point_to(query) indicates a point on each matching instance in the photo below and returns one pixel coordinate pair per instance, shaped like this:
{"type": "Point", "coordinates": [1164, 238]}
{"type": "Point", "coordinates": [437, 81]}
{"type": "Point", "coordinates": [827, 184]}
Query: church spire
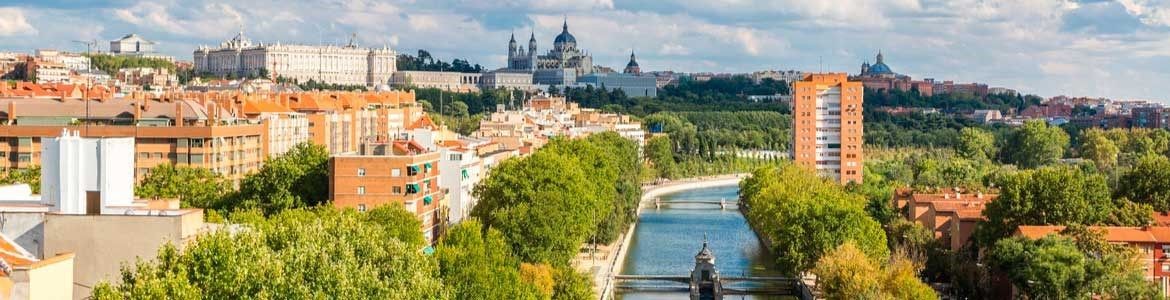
{"type": "Point", "coordinates": [565, 26]}
{"type": "Point", "coordinates": [879, 56]}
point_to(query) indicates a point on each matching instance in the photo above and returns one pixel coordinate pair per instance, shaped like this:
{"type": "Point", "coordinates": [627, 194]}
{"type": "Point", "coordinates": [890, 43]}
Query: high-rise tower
{"type": "Point", "coordinates": [827, 132]}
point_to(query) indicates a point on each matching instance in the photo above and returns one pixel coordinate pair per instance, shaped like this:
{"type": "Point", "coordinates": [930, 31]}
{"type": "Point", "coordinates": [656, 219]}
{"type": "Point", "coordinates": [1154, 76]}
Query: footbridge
{"type": "Point", "coordinates": [705, 282]}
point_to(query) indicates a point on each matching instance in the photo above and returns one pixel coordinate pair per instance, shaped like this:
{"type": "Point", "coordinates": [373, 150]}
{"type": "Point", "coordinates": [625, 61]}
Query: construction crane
{"type": "Point", "coordinates": [89, 45]}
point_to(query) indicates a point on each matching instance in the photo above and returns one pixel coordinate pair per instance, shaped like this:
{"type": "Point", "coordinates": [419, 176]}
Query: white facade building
{"type": "Point", "coordinates": [349, 64]}
{"type": "Point", "coordinates": [447, 81]}
{"type": "Point", "coordinates": [73, 167]}
{"type": "Point", "coordinates": [71, 61]}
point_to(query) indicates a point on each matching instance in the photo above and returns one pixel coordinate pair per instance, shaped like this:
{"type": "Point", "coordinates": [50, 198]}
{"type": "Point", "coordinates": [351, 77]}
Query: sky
{"type": "Point", "coordinates": [1118, 49]}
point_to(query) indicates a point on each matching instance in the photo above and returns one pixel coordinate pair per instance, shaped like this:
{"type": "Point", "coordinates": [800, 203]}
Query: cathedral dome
{"type": "Point", "coordinates": [880, 68]}
{"type": "Point", "coordinates": [565, 40]}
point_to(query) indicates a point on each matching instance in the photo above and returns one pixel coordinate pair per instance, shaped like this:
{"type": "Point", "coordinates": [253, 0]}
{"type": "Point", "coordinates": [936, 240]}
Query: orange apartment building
{"type": "Point", "coordinates": [395, 173]}
{"type": "Point", "coordinates": [951, 216]}
{"type": "Point", "coordinates": [229, 132]}
{"type": "Point", "coordinates": [183, 132]}
{"type": "Point", "coordinates": [827, 133]}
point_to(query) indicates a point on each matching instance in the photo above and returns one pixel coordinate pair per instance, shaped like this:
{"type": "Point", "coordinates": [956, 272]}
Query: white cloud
{"type": "Point", "coordinates": [1150, 12]}
{"type": "Point", "coordinates": [14, 22]}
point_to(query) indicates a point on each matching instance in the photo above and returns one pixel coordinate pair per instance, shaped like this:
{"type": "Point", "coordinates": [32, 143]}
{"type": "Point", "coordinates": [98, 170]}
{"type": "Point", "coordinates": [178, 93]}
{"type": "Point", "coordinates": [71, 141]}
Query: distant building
{"type": "Point", "coordinates": [400, 172]}
{"type": "Point", "coordinates": [554, 76]}
{"type": "Point", "coordinates": [563, 55]}
{"type": "Point", "coordinates": [71, 61]}
{"type": "Point", "coordinates": [346, 64]}
{"type": "Point", "coordinates": [879, 77]}
{"type": "Point", "coordinates": [154, 77]}
{"type": "Point", "coordinates": [631, 84]}
{"type": "Point", "coordinates": [827, 132]}
{"type": "Point", "coordinates": [632, 66]}
{"type": "Point", "coordinates": [507, 80]}
{"type": "Point", "coordinates": [447, 81]}
{"type": "Point", "coordinates": [986, 116]}
{"type": "Point", "coordinates": [136, 46]}
{"type": "Point", "coordinates": [131, 44]}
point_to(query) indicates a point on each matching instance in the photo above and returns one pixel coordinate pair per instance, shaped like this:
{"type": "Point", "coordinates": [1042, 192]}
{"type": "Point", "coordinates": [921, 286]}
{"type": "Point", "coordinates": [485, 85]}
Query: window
{"type": "Point", "coordinates": [395, 172]}
{"type": "Point", "coordinates": [24, 157]}
{"type": "Point", "coordinates": [361, 190]}
{"type": "Point", "coordinates": [397, 190]}
{"type": "Point", "coordinates": [196, 158]}
{"type": "Point", "coordinates": [361, 207]}
{"type": "Point", "coordinates": [361, 172]}
{"type": "Point", "coordinates": [144, 155]}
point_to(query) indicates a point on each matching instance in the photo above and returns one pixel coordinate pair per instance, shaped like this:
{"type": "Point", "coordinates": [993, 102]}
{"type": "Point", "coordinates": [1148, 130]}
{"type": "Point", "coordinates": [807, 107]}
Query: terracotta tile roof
{"type": "Point", "coordinates": [1115, 234]}
{"type": "Point", "coordinates": [424, 122]}
{"type": "Point", "coordinates": [258, 107]}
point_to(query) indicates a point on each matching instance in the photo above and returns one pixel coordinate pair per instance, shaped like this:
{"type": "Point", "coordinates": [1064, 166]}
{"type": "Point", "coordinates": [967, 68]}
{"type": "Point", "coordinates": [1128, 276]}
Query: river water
{"type": "Point", "coordinates": [667, 239]}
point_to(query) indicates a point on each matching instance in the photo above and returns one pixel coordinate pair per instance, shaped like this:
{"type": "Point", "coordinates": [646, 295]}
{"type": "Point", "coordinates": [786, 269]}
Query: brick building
{"type": "Point", "coordinates": [827, 125]}
{"type": "Point", "coordinates": [395, 173]}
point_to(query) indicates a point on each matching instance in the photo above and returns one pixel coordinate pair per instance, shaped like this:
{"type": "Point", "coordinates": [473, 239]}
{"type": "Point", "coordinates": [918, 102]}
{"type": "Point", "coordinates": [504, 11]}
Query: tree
{"type": "Point", "coordinates": [299, 178]}
{"type": "Point", "coordinates": [542, 204]}
{"type": "Point", "coordinates": [1081, 267]}
{"type": "Point", "coordinates": [1058, 195]}
{"type": "Point", "coordinates": [351, 258]}
{"type": "Point", "coordinates": [1147, 182]}
{"type": "Point", "coordinates": [1036, 144]}
{"type": "Point", "coordinates": [194, 187]}
{"type": "Point", "coordinates": [658, 152]}
{"type": "Point", "coordinates": [1097, 147]}
{"type": "Point", "coordinates": [456, 109]}
{"type": "Point", "coordinates": [848, 273]}
{"type": "Point", "coordinates": [976, 144]}
{"type": "Point", "coordinates": [476, 264]}
{"type": "Point", "coordinates": [805, 216]}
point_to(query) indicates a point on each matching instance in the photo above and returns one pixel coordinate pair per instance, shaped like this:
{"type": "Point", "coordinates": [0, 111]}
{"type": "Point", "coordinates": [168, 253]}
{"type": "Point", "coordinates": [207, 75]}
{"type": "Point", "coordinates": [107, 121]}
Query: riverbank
{"type": "Point", "coordinates": [608, 259]}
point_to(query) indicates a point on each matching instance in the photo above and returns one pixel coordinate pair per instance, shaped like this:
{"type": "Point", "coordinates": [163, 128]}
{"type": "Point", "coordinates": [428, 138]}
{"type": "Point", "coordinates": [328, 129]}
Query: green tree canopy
{"type": "Point", "coordinates": [805, 216]}
{"type": "Point", "coordinates": [1148, 182]}
{"type": "Point", "coordinates": [1036, 144]}
{"type": "Point", "coordinates": [1082, 267]}
{"type": "Point", "coordinates": [976, 144]}
{"type": "Point", "coordinates": [1097, 147]}
{"type": "Point", "coordinates": [194, 187]}
{"type": "Point", "coordinates": [295, 254]}
{"type": "Point", "coordinates": [299, 178]}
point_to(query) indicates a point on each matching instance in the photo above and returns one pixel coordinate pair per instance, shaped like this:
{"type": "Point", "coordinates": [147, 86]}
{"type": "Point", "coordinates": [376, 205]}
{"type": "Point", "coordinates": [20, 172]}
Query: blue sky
{"type": "Point", "coordinates": [1118, 49]}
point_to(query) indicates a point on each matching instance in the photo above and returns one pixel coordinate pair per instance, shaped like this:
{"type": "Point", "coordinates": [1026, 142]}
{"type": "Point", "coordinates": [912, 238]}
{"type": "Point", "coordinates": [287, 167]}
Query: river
{"type": "Point", "coordinates": [667, 239]}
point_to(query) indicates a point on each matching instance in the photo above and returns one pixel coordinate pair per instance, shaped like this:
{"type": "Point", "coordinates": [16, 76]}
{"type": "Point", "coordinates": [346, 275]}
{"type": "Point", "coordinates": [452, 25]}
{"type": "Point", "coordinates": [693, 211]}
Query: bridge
{"type": "Point", "coordinates": [722, 203]}
{"type": "Point", "coordinates": [704, 282]}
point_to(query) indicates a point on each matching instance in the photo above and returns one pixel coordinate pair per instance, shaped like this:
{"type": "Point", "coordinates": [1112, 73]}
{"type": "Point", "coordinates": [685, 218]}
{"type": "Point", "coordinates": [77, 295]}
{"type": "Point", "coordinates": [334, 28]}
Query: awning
{"type": "Point", "coordinates": [413, 169]}
{"type": "Point", "coordinates": [429, 250]}
{"type": "Point", "coordinates": [412, 187]}
{"type": "Point", "coordinates": [427, 200]}
{"type": "Point", "coordinates": [465, 174]}
{"type": "Point", "coordinates": [428, 165]}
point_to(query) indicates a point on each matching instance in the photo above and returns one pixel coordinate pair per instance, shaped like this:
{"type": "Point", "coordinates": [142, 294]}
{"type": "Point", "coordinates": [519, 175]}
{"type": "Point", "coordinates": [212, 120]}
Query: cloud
{"type": "Point", "coordinates": [14, 22]}
{"type": "Point", "coordinates": [1151, 12]}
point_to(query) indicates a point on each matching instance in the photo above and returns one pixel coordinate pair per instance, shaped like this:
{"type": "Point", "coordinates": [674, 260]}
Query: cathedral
{"type": "Point", "coordinates": [564, 55]}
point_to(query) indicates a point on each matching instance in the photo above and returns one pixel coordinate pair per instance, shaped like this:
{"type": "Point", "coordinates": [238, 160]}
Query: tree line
{"type": "Point", "coordinates": [425, 62]}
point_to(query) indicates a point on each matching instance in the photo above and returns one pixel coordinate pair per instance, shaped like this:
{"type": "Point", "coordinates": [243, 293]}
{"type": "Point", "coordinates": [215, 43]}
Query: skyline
{"type": "Point", "coordinates": [1116, 49]}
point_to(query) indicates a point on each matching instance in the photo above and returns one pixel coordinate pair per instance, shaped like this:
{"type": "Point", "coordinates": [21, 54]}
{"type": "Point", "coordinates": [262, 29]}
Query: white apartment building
{"type": "Point", "coordinates": [348, 64]}
{"type": "Point", "coordinates": [71, 61]}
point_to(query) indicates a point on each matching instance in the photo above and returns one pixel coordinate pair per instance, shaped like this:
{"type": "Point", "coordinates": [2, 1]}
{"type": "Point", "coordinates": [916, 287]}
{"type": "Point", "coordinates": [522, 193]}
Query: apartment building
{"type": "Point", "coordinates": [399, 172]}
{"type": "Point", "coordinates": [827, 133]}
{"type": "Point", "coordinates": [184, 132]}
{"type": "Point", "coordinates": [951, 215]}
